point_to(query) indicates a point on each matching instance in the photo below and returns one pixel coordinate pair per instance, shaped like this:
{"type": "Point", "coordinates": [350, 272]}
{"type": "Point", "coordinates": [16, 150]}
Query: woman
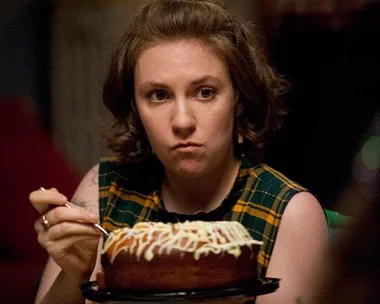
{"type": "Point", "coordinates": [195, 102]}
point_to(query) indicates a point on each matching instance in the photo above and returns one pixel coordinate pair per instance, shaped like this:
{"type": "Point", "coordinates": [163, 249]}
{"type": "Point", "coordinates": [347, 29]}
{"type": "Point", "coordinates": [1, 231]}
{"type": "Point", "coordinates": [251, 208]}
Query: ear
{"type": "Point", "coordinates": [238, 105]}
{"type": "Point", "coordinates": [238, 108]}
{"type": "Point", "coordinates": [237, 95]}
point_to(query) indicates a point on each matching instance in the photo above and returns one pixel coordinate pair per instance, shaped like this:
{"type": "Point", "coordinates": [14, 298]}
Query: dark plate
{"type": "Point", "coordinates": [250, 289]}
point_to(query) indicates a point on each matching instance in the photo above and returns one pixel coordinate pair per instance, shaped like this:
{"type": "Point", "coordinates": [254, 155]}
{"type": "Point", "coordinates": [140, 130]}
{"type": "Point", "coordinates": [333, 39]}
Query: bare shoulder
{"type": "Point", "coordinates": [87, 193]}
{"type": "Point", "coordinates": [299, 250]}
{"type": "Point", "coordinates": [303, 217]}
{"type": "Point", "coordinates": [304, 208]}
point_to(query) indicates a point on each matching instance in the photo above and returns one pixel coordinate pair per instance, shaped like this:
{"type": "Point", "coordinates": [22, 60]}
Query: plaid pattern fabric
{"type": "Point", "coordinates": [129, 194]}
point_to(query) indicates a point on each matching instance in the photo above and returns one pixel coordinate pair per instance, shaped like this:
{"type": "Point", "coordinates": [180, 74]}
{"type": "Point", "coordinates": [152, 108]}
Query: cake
{"type": "Point", "coordinates": [153, 256]}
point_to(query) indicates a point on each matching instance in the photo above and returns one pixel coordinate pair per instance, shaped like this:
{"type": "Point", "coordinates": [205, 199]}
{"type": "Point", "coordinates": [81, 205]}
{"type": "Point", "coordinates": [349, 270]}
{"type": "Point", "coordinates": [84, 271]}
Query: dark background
{"type": "Point", "coordinates": [334, 94]}
{"type": "Point", "coordinates": [24, 52]}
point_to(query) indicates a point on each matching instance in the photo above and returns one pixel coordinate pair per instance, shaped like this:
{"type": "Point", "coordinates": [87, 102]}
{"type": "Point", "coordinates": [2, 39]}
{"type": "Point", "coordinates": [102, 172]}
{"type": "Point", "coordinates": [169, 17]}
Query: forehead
{"type": "Point", "coordinates": [181, 57]}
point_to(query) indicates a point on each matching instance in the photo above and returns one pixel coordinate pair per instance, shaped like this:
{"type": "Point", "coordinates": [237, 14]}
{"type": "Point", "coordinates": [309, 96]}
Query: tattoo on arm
{"type": "Point", "coordinates": [82, 198]}
{"type": "Point", "coordinates": [79, 203]}
{"type": "Point", "coordinates": [83, 204]}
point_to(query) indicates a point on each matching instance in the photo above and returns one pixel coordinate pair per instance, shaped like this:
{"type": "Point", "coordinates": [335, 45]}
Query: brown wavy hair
{"type": "Point", "coordinates": [257, 84]}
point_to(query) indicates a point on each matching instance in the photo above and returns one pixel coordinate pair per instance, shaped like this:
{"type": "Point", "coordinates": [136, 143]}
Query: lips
{"type": "Point", "coordinates": [186, 145]}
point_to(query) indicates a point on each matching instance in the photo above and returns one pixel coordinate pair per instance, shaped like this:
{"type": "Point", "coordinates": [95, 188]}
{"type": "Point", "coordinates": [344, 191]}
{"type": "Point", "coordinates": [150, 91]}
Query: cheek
{"type": "Point", "coordinates": [222, 123]}
{"type": "Point", "coordinates": [146, 118]}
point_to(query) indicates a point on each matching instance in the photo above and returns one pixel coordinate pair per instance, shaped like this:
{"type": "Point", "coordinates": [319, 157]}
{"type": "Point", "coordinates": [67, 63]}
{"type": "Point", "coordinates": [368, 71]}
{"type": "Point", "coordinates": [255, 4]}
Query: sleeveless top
{"type": "Point", "coordinates": [130, 193]}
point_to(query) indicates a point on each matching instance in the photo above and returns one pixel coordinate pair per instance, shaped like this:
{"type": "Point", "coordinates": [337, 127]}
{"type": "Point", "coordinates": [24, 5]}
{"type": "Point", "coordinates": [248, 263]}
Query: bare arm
{"type": "Point", "coordinates": [299, 251]}
{"type": "Point", "coordinates": [56, 286]}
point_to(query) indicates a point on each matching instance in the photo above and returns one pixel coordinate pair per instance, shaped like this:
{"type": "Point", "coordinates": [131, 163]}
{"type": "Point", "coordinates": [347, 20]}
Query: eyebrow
{"type": "Point", "coordinates": [193, 83]}
{"type": "Point", "coordinates": [204, 79]}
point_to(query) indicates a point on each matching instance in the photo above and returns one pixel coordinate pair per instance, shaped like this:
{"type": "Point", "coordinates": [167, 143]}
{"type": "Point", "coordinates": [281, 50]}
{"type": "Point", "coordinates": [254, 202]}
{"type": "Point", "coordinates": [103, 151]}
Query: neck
{"type": "Point", "coordinates": [190, 195]}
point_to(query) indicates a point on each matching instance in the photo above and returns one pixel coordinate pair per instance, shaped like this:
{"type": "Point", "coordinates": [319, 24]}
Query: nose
{"type": "Point", "coordinates": [183, 121]}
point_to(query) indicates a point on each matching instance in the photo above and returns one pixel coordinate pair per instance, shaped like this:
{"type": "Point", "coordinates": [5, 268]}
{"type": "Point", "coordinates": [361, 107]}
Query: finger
{"type": "Point", "coordinates": [64, 230]}
{"type": "Point", "coordinates": [64, 214]}
{"type": "Point", "coordinates": [59, 247]}
{"type": "Point", "coordinates": [38, 227]}
{"type": "Point", "coordinates": [43, 199]}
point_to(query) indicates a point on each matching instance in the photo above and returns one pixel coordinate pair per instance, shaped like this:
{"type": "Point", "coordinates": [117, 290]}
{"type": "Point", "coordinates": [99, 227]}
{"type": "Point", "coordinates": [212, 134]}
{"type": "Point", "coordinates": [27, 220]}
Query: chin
{"type": "Point", "coordinates": [190, 168]}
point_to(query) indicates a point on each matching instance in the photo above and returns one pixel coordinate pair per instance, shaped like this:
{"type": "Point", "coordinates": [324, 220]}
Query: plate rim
{"type": "Point", "coordinates": [253, 288]}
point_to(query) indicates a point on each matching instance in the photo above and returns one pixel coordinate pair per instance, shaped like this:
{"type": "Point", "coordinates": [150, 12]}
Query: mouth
{"type": "Point", "coordinates": [186, 145]}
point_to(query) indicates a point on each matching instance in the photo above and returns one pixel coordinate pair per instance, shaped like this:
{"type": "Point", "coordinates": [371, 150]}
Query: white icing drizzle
{"type": "Point", "coordinates": [199, 238]}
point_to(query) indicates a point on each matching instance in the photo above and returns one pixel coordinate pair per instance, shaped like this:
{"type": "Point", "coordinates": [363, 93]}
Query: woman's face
{"type": "Point", "coordinates": [185, 99]}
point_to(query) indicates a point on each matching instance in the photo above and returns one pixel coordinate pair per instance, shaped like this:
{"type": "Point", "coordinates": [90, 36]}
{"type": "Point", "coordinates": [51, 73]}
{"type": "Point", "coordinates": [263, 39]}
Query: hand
{"type": "Point", "coordinates": [70, 238]}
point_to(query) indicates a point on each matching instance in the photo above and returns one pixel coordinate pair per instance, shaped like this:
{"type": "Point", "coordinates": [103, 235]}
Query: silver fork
{"type": "Point", "coordinates": [96, 225]}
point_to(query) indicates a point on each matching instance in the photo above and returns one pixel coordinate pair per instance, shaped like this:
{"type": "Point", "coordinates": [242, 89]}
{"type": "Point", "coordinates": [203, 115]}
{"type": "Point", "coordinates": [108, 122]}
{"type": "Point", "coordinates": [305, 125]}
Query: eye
{"type": "Point", "coordinates": [206, 93]}
{"type": "Point", "coordinates": [158, 96]}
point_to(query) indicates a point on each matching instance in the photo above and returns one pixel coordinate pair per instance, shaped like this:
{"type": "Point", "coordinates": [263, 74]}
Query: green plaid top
{"type": "Point", "coordinates": [130, 193]}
